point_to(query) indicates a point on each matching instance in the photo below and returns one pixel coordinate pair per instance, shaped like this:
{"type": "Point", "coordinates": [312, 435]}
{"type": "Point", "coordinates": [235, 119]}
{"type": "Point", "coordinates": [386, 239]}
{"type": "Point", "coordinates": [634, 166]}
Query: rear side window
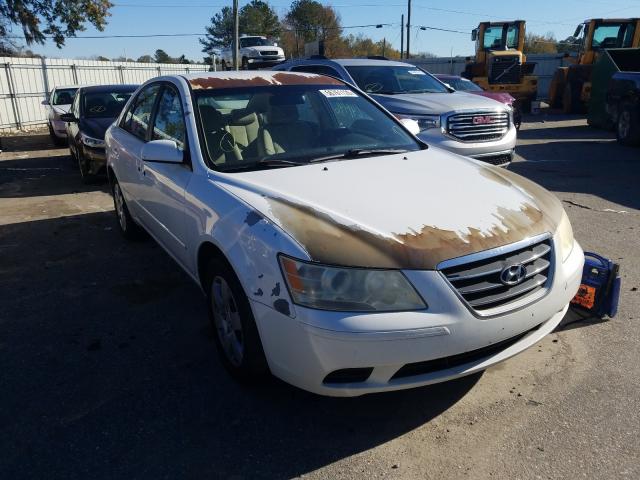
{"type": "Point", "coordinates": [169, 122]}
{"type": "Point", "coordinates": [319, 69]}
{"type": "Point", "coordinates": [136, 120]}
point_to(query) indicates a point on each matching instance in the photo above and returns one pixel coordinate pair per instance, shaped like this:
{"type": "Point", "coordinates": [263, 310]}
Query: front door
{"type": "Point", "coordinates": [163, 185]}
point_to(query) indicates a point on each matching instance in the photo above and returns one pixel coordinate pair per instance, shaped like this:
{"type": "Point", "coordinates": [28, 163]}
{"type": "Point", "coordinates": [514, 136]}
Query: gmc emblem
{"type": "Point", "coordinates": [482, 120]}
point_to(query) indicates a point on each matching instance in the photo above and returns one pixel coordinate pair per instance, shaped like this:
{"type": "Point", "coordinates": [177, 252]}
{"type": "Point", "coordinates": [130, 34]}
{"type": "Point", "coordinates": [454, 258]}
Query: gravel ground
{"type": "Point", "coordinates": [108, 367]}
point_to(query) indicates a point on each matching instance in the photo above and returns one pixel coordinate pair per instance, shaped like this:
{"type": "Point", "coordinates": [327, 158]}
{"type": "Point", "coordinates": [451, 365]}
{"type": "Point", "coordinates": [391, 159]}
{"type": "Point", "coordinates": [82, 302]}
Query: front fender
{"type": "Point", "coordinates": [250, 242]}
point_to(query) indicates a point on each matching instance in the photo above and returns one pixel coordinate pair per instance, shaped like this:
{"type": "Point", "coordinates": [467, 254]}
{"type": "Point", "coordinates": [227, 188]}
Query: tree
{"type": "Point", "coordinates": [58, 19]}
{"type": "Point", "coordinates": [183, 59]}
{"type": "Point", "coordinates": [162, 57]}
{"type": "Point", "coordinates": [146, 59]}
{"type": "Point", "coordinates": [255, 18]}
{"type": "Point", "coordinates": [534, 43]}
{"type": "Point", "coordinates": [309, 20]}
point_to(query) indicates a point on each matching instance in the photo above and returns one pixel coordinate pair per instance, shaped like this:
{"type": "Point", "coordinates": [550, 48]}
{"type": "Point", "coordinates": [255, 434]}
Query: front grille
{"type": "Point", "coordinates": [505, 70]}
{"type": "Point", "coordinates": [430, 366]}
{"type": "Point", "coordinates": [500, 160]}
{"type": "Point", "coordinates": [268, 52]}
{"type": "Point", "coordinates": [480, 282]}
{"type": "Point", "coordinates": [478, 126]}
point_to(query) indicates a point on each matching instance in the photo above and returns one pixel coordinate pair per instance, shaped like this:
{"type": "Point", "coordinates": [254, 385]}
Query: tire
{"type": "Point", "coordinates": [126, 224]}
{"type": "Point", "coordinates": [57, 141]}
{"type": "Point", "coordinates": [245, 64]}
{"type": "Point", "coordinates": [235, 331]}
{"type": "Point", "coordinates": [83, 166]}
{"type": "Point", "coordinates": [628, 125]}
{"type": "Point", "coordinates": [72, 156]}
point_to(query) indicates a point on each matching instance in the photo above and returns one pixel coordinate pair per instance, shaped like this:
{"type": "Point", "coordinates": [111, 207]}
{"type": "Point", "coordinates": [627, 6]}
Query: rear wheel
{"type": "Point", "coordinates": [128, 227]}
{"type": "Point", "coordinates": [245, 63]}
{"type": "Point", "coordinates": [236, 334]}
{"type": "Point", "coordinates": [628, 127]}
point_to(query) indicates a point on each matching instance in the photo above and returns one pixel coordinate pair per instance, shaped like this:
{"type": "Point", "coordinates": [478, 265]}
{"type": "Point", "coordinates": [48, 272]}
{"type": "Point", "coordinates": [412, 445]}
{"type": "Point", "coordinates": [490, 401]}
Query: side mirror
{"type": "Point", "coordinates": [410, 125]}
{"type": "Point", "coordinates": [68, 117]}
{"type": "Point", "coordinates": [474, 34]}
{"type": "Point", "coordinates": [45, 102]}
{"type": "Point", "coordinates": [162, 151]}
{"type": "Point", "coordinates": [578, 31]}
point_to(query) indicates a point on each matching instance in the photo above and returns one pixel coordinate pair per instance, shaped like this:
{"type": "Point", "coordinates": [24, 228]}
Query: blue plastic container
{"type": "Point", "coordinates": [599, 291]}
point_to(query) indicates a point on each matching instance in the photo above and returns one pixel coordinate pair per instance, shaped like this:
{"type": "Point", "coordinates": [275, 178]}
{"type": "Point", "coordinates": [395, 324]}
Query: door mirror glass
{"type": "Point", "coordinates": [162, 151]}
{"type": "Point", "coordinates": [411, 125]}
{"type": "Point", "coordinates": [45, 102]}
{"type": "Point", "coordinates": [68, 117]}
{"type": "Point", "coordinates": [474, 35]}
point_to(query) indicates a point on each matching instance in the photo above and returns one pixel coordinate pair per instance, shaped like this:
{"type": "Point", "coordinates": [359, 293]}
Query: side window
{"type": "Point", "coordinates": [74, 107]}
{"type": "Point", "coordinates": [169, 123]}
{"type": "Point", "coordinates": [136, 120]}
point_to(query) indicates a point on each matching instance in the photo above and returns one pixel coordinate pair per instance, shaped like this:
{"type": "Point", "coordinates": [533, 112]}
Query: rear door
{"type": "Point", "coordinates": [128, 140]}
{"type": "Point", "coordinates": [162, 185]}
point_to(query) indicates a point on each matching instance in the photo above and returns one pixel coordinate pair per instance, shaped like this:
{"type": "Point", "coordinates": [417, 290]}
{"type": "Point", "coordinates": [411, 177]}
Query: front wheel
{"type": "Point", "coordinates": [236, 334]}
{"type": "Point", "coordinates": [57, 141]}
{"type": "Point", "coordinates": [84, 166]}
{"type": "Point", "coordinates": [628, 127]}
{"type": "Point", "coordinates": [245, 63]}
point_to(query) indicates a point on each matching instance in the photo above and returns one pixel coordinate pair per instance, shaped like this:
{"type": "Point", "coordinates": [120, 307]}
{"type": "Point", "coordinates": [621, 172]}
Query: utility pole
{"type": "Point", "coordinates": [236, 35]}
{"type": "Point", "coordinates": [384, 46]}
{"type": "Point", "coordinates": [408, 29]}
{"type": "Point", "coordinates": [402, 36]}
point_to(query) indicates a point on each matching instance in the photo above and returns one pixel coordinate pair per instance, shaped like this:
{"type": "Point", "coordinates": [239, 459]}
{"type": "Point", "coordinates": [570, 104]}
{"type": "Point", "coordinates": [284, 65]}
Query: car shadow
{"type": "Point", "coordinates": [28, 143]}
{"type": "Point", "coordinates": [607, 170]}
{"type": "Point", "coordinates": [37, 176]}
{"type": "Point", "coordinates": [109, 370]}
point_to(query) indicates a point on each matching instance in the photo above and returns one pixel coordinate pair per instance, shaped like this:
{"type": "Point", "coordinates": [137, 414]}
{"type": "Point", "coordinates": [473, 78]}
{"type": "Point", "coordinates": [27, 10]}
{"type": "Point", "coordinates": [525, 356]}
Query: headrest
{"type": "Point", "coordinates": [243, 117]}
{"type": "Point", "coordinates": [259, 103]}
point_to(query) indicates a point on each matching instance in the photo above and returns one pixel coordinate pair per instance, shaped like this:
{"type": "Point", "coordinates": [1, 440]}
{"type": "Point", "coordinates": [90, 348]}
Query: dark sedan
{"type": "Point", "coordinates": [93, 110]}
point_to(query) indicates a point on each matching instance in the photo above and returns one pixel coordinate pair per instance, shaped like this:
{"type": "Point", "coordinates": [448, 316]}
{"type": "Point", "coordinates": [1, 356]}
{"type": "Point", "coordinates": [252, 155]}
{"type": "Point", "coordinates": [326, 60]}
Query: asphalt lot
{"type": "Point", "coordinates": [108, 369]}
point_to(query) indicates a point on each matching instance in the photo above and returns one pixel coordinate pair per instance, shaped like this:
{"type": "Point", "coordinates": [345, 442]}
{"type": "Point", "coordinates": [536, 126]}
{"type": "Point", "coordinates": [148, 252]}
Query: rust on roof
{"type": "Point", "coordinates": [260, 80]}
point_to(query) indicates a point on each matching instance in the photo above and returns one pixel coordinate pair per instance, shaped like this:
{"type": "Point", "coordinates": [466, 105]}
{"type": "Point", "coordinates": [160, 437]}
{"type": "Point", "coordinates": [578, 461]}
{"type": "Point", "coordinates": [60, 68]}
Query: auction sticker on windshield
{"type": "Point", "coordinates": [337, 93]}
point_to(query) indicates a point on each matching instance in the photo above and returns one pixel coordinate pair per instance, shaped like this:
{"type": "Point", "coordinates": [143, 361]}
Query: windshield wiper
{"type": "Point", "coordinates": [358, 152]}
{"type": "Point", "coordinates": [278, 162]}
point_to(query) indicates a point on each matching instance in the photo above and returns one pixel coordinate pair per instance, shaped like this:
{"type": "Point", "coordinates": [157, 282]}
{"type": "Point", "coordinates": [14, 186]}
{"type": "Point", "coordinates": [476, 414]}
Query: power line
{"type": "Point", "coordinates": [154, 35]}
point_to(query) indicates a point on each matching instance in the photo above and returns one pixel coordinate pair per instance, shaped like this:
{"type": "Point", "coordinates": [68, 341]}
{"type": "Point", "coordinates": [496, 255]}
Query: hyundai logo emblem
{"type": "Point", "coordinates": [513, 274]}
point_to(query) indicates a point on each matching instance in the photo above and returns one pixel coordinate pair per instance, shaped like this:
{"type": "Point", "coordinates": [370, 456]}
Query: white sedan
{"type": "Point", "coordinates": [58, 103]}
{"type": "Point", "coordinates": [336, 250]}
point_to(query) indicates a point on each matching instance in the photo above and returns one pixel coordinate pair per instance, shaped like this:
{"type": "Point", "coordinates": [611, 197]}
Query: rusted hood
{"type": "Point", "coordinates": [392, 212]}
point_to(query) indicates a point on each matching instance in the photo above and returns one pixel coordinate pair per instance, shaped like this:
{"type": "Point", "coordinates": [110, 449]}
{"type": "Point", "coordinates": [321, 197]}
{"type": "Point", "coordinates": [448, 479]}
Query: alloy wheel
{"type": "Point", "coordinates": [624, 124]}
{"type": "Point", "coordinates": [118, 199]}
{"type": "Point", "coordinates": [226, 317]}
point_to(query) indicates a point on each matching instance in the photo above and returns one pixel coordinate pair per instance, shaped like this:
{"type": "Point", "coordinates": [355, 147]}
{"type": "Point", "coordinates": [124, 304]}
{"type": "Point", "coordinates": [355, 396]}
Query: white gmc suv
{"type": "Point", "coordinates": [326, 236]}
{"type": "Point", "coordinates": [254, 52]}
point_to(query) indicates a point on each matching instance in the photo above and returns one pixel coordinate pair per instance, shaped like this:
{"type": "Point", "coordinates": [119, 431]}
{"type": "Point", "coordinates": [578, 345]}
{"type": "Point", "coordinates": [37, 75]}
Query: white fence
{"type": "Point", "coordinates": [546, 65]}
{"type": "Point", "coordinates": [25, 82]}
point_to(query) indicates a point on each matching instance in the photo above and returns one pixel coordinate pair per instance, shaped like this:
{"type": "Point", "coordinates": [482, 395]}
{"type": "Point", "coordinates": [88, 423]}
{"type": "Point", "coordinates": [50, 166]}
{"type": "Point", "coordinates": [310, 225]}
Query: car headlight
{"type": "Point", "coordinates": [425, 122]}
{"type": "Point", "coordinates": [92, 142]}
{"type": "Point", "coordinates": [565, 237]}
{"type": "Point", "coordinates": [349, 289]}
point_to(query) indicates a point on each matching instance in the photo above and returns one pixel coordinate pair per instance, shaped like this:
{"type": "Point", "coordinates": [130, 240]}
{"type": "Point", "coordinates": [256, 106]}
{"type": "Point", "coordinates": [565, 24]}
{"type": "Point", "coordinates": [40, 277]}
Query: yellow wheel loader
{"type": "Point", "coordinates": [500, 64]}
{"type": "Point", "coordinates": [571, 85]}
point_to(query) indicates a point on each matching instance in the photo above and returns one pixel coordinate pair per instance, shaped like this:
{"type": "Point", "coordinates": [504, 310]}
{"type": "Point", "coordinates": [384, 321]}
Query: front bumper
{"type": "Point", "coordinates": [438, 138]}
{"type": "Point", "coordinates": [59, 128]}
{"type": "Point", "coordinates": [263, 62]}
{"type": "Point", "coordinates": [304, 350]}
{"type": "Point", "coordinates": [96, 160]}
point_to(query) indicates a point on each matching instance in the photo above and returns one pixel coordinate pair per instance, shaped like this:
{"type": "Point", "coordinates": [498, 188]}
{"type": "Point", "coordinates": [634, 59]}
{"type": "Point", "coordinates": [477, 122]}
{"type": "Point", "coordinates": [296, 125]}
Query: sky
{"type": "Point", "coordinates": [139, 17]}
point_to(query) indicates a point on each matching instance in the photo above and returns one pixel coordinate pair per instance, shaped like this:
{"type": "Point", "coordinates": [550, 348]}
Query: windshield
{"type": "Point", "coordinates": [255, 42]}
{"type": "Point", "coordinates": [395, 79]}
{"type": "Point", "coordinates": [104, 104]}
{"type": "Point", "coordinates": [463, 84]}
{"type": "Point", "coordinates": [63, 96]}
{"type": "Point", "coordinates": [619, 35]}
{"type": "Point", "coordinates": [260, 127]}
{"type": "Point", "coordinates": [493, 37]}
